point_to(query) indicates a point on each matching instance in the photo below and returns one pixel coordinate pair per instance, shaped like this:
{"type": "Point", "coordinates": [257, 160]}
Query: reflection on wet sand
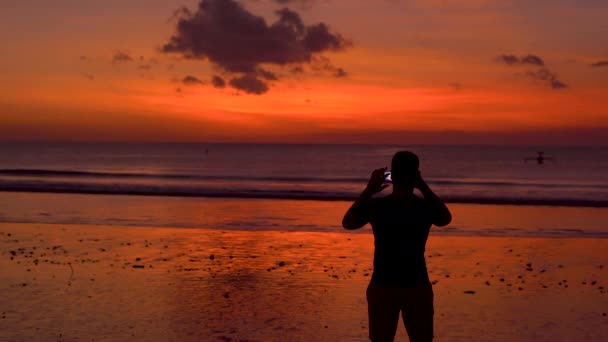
{"type": "Point", "coordinates": [71, 282]}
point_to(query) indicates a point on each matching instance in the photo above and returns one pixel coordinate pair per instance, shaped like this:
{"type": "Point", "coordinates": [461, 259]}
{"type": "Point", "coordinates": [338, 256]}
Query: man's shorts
{"type": "Point", "coordinates": [415, 305]}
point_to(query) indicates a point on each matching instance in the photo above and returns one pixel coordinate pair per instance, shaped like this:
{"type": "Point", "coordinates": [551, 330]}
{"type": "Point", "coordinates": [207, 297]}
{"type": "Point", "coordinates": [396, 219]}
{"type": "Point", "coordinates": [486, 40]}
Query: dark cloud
{"type": "Point", "coordinates": [532, 60]}
{"type": "Point", "coordinates": [508, 59]}
{"type": "Point", "coordinates": [191, 80]}
{"type": "Point", "coordinates": [298, 69]}
{"type": "Point", "coordinates": [121, 57]}
{"type": "Point", "coordinates": [84, 58]}
{"type": "Point", "coordinates": [455, 85]}
{"type": "Point", "coordinates": [542, 74]}
{"type": "Point", "coordinates": [324, 65]}
{"type": "Point", "coordinates": [557, 84]}
{"type": "Point", "coordinates": [318, 38]}
{"type": "Point", "coordinates": [239, 42]}
{"type": "Point", "coordinates": [600, 64]}
{"type": "Point", "coordinates": [267, 75]}
{"type": "Point", "coordinates": [307, 4]}
{"type": "Point", "coordinates": [147, 65]}
{"type": "Point", "coordinates": [250, 84]}
{"type": "Point", "coordinates": [340, 73]}
{"type": "Point", "coordinates": [548, 76]}
{"type": "Point", "coordinates": [178, 13]}
{"type": "Point", "coordinates": [514, 60]}
{"type": "Point", "coordinates": [218, 82]}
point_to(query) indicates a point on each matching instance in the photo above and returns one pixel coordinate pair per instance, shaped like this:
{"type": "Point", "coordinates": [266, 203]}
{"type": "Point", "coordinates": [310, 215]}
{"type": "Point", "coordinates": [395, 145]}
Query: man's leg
{"type": "Point", "coordinates": [417, 313]}
{"type": "Point", "coordinates": [383, 313]}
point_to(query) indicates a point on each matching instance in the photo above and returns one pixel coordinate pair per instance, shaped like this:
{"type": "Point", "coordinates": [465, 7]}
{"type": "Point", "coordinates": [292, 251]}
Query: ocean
{"type": "Point", "coordinates": [132, 183]}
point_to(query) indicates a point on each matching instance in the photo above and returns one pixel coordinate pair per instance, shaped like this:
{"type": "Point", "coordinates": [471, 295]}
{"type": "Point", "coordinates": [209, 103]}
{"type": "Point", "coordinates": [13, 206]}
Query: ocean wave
{"type": "Point", "coordinates": [96, 174]}
{"type": "Point", "coordinates": [75, 174]}
{"type": "Point", "coordinates": [223, 192]}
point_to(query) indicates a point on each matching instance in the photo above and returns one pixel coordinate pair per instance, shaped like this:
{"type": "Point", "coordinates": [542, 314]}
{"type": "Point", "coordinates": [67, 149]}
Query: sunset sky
{"type": "Point", "coordinates": [305, 71]}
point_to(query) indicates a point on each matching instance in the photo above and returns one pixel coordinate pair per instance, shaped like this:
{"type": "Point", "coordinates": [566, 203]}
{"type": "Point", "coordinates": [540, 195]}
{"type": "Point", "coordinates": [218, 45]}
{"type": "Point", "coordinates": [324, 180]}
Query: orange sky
{"type": "Point", "coordinates": [417, 72]}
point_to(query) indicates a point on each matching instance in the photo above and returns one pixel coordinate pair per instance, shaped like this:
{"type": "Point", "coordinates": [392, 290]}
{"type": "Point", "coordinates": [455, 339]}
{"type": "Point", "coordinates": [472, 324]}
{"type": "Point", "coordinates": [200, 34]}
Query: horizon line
{"type": "Point", "coordinates": [177, 142]}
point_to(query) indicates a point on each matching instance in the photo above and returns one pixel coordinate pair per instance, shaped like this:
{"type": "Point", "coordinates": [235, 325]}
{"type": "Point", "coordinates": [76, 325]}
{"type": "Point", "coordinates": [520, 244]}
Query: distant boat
{"type": "Point", "coordinates": [540, 159]}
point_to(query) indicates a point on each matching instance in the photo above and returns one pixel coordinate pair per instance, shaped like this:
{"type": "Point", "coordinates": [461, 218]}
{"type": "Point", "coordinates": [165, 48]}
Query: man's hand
{"type": "Point", "coordinates": [420, 184]}
{"type": "Point", "coordinates": [376, 182]}
{"type": "Point", "coordinates": [356, 216]}
{"type": "Point", "coordinates": [441, 213]}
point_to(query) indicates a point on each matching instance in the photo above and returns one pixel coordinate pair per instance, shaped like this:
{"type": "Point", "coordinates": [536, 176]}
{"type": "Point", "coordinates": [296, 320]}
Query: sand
{"type": "Point", "coordinates": [112, 283]}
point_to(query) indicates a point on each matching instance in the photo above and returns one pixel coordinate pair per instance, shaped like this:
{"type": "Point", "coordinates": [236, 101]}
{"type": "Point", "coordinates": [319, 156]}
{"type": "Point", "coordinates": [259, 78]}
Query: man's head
{"type": "Point", "coordinates": [404, 168]}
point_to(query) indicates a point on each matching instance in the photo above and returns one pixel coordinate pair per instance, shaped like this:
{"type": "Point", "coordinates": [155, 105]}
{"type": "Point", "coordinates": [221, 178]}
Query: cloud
{"type": "Point", "coordinates": [297, 69]}
{"type": "Point", "coordinates": [240, 43]}
{"type": "Point", "coordinates": [455, 86]}
{"type": "Point", "coordinates": [508, 59]}
{"type": "Point", "coordinates": [542, 74]}
{"type": "Point", "coordinates": [306, 4]}
{"type": "Point", "coordinates": [533, 60]}
{"type": "Point", "coordinates": [121, 57]}
{"type": "Point", "coordinates": [191, 80]}
{"type": "Point", "coordinates": [299, 4]}
{"type": "Point", "coordinates": [218, 82]}
{"type": "Point", "coordinates": [147, 65]}
{"type": "Point", "coordinates": [323, 64]}
{"type": "Point", "coordinates": [548, 76]}
{"type": "Point", "coordinates": [514, 60]}
{"type": "Point", "coordinates": [84, 58]}
{"type": "Point", "coordinates": [600, 64]}
{"type": "Point", "coordinates": [267, 75]}
{"type": "Point", "coordinates": [340, 73]}
{"type": "Point", "coordinates": [557, 84]}
{"type": "Point", "coordinates": [250, 84]}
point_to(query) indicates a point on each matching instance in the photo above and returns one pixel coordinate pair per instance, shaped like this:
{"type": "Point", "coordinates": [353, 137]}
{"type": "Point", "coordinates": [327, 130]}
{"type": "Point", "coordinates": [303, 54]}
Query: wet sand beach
{"type": "Point", "coordinates": [112, 283]}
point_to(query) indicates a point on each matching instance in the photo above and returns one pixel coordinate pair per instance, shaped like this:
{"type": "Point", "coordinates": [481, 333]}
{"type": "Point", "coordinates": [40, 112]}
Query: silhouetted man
{"type": "Point", "coordinates": [401, 222]}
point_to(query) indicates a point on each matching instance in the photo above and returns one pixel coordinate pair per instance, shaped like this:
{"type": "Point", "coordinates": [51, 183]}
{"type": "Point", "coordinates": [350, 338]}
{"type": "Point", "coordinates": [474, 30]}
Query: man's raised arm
{"type": "Point", "coordinates": [357, 215]}
{"type": "Point", "coordinates": [441, 213]}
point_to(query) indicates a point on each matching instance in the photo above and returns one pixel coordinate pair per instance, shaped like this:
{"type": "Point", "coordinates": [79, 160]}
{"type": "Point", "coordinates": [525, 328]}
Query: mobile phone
{"type": "Point", "coordinates": [387, 177]}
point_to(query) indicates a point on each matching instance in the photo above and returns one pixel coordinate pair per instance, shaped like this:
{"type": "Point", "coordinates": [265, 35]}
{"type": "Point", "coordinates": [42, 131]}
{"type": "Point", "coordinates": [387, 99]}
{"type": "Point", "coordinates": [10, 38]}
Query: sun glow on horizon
{"type": "Point", "coordinates": [422, 78]}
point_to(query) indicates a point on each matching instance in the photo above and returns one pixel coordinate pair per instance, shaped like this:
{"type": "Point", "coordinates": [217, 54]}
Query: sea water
{"type": "Point", "coordinates": [494, 190]}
